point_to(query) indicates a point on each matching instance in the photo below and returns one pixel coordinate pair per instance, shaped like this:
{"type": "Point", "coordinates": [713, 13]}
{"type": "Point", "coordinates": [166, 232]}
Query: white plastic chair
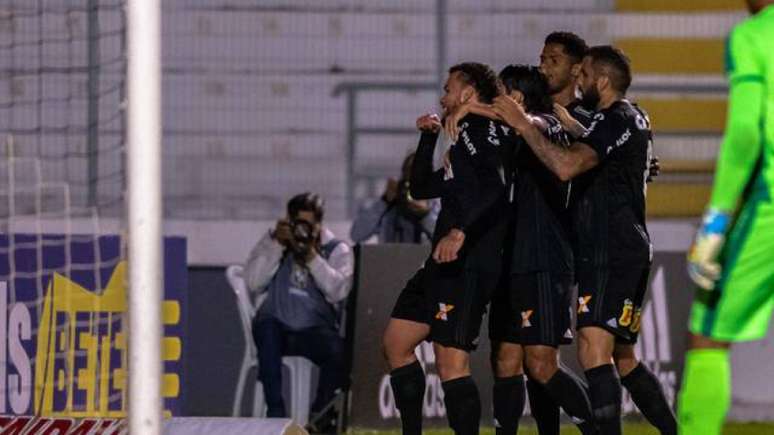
{"type": "Point", "coordinates": [300, 368]}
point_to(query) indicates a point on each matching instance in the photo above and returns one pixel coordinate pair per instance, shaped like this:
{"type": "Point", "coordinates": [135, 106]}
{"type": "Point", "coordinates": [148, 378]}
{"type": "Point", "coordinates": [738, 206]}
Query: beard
{"type": "Point", "coordinates": [590, 99]}
{"type": "Point", "coordinates": [555, 86]}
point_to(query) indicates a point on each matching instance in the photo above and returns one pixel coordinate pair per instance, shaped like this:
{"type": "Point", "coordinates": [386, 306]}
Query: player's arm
{"type": "Point", "coordinates": [739, 154]}
{"type": "Point", "coordinates": [477, 188]}
{"type": "Point", "coordinates": [424, 182]}
{"type": "Point", "coordinates": [451, 123]}
{"type": "Point", "coordinates": [565, 163]}
{"type": "Point", "coordinates": [742, 141]}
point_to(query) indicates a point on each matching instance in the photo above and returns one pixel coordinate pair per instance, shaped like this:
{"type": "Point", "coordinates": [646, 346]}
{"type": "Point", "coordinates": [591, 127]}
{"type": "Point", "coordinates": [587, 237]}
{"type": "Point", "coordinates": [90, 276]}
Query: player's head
{"type": "Point", "coordinates": [755, 6]}
{"type": "Point", "coordinates": [561, 59]}
{"type": "Point", "coordinates": [606, 71]}
{"type": "Point", "coordinates": [308, 207]}
{"type": "Point", "coordinates": [469, 81]}
{"type": "Point", "coordinates": [528, 86]}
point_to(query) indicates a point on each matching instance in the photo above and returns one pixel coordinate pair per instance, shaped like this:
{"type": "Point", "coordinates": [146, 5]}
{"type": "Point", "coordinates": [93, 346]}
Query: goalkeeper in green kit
{"type": "Point", "coordinates": [732, 258]}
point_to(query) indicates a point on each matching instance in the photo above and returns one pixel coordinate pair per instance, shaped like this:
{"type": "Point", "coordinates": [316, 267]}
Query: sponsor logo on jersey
{"type": "Point", "coordinates": [466, 140]}
{"type": "Point", "coordinates": [624, 137]}
{"type": "Point", "coordinates": [493, 134]}
{"type": "Point", "coordinates": [443, 311]}
{"type": "Point", "coordinates": [583, 304]}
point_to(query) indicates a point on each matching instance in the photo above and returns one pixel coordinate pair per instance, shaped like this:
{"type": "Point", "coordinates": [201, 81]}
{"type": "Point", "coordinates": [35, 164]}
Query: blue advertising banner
{"type": "Point", "coordinates": [63, 332]}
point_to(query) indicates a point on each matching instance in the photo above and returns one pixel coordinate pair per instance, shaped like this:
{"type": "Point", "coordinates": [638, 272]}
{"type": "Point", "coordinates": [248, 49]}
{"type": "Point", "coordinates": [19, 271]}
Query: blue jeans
{"type": "Point", "coordinates": [323, 346]}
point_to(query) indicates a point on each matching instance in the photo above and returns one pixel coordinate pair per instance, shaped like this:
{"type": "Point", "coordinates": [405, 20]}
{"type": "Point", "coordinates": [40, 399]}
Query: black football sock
{"type": "Point", "coordinates": [408, 387]}
{"type": "Point", "coordinates": [569, 392]}
{"type": "Point", "coordinates": [544, 409]}
{"type": "Point", "coordinates": [463, 405]}
{"type": "Point", "coordinates": [605, 389]}
{"type": "Point", "coordinates": [649, 397]}
{"type": "Point", "coordinates": [508, 404]}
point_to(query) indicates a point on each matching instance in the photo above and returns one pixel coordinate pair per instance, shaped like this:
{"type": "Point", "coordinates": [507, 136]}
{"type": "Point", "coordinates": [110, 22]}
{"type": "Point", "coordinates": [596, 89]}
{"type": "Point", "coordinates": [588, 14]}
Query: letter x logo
{"type": "Point", "coordinates": [443, 311]}
{"type": "Point", "coordinates": [583, 304]}
{"type": "Point", "coordinates": [525, 315]}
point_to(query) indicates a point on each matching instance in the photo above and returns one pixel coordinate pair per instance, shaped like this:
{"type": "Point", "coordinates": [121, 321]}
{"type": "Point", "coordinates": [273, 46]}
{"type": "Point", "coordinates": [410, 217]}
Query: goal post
{"type": "Point", "coordinates": [144, 216]}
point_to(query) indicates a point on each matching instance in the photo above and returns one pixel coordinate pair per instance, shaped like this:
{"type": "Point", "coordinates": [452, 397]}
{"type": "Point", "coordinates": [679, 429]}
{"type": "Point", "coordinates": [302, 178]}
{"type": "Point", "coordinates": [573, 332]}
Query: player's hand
{"type": "Point", "coordinates": [654, 168]}
{"type": "Point", "coordinates": [703, 266]}
{"type": "Point", "coordinates": [451, 121]}
{"type": "Point", "coordinates": [390, 191]}
{"type": "Point", "coordinates": [429, 123]}
{"type": "Point", "coordinates": [511, 113]}
{"type": "Point", "coordinates": [282, 233]}
{"type": "Point", "coordinates": [447, 160]}
{"type": "Point", "coordinates": [447, 249]}
{"type": "Point", "coordinates": [570, 124]}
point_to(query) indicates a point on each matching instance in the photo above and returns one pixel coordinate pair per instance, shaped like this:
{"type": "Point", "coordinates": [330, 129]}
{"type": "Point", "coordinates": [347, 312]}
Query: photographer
{"type": "Point", "coordinates": [396, 217]}
{"type": "Point", "coordinates": [306, 273]}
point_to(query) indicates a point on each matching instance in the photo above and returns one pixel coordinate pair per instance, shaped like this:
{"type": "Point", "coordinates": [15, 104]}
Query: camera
{"type": "Point", "coordinates": [304, 238]}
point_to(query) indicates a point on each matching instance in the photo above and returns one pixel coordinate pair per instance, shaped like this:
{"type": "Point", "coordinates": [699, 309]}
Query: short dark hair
{"type": "Point", "coordinates": [618, 66]}
{"type": "Point", "coordinates": [481, 77]}
{"type": "Point", "coordinates": [307, 201]}
{"type": "Point", "coordinates": [528, 80]}
{"type": "Point", "coordinates": [573, 45]}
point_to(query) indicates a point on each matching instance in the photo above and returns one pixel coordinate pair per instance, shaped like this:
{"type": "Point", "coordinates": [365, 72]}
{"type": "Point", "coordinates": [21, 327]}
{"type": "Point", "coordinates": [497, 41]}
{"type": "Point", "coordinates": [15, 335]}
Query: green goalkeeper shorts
{"type": "Point", "coordinates": [740, 307]}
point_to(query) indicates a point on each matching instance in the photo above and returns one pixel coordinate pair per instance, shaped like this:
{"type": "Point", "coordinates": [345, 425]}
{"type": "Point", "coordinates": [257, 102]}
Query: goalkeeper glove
{"type": "Point", "coordinates": [703, 266]}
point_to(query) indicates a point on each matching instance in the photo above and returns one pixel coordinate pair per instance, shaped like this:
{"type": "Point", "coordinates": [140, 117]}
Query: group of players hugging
{"type": "Point", "coordinates": [541, 191]}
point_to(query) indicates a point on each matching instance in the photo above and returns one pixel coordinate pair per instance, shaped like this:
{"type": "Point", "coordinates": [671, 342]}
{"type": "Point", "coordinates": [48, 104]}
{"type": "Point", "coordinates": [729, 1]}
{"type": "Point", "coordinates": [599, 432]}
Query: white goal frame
{"type": "Point", "coordinates": [143, 153]}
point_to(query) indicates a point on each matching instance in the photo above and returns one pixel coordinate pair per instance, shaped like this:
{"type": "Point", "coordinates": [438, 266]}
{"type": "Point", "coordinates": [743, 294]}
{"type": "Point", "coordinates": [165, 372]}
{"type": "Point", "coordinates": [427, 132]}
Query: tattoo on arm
{"type": "Point", "coordinates": [565, 163]}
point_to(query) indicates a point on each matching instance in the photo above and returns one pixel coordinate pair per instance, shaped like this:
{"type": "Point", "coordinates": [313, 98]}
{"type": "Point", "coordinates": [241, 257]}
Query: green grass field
{"type": "Point", "coordinates": [629, 429]}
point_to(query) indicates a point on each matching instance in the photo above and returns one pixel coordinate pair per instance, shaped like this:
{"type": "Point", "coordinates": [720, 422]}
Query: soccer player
{"type": "Point", "coordinates": [445, 301]}
{"type": "Point", "coordinates": [561, 61]}
{"type": "Point", "coordinates": [614, 246]}
{"type": "Point", "coordinates": [528, 326]}
{"type": "Point", "coordinates": [731, 258]}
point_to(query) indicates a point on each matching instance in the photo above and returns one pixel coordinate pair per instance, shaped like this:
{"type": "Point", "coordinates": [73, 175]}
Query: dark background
{"type": "Point", "coordinates": [215, 342]}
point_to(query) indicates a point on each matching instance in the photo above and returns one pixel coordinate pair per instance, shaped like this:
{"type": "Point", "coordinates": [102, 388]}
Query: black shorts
{"type": "Point", "coordinates": [612, 299]}
{"type": "Point", "coordinates": [452, 297]}
{"type": "Point", "coordinates": [534, 309]}
{"type": "Point", "coordinates": [412, 302]}
{"type": "Point", "coordinates": [458, 297]}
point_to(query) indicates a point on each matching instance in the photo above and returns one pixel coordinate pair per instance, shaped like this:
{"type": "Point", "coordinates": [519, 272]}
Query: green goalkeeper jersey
{"type": "Point", "coordinates": [740, 308]}
{"type": "Point", "coordinates": [746, 161]}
